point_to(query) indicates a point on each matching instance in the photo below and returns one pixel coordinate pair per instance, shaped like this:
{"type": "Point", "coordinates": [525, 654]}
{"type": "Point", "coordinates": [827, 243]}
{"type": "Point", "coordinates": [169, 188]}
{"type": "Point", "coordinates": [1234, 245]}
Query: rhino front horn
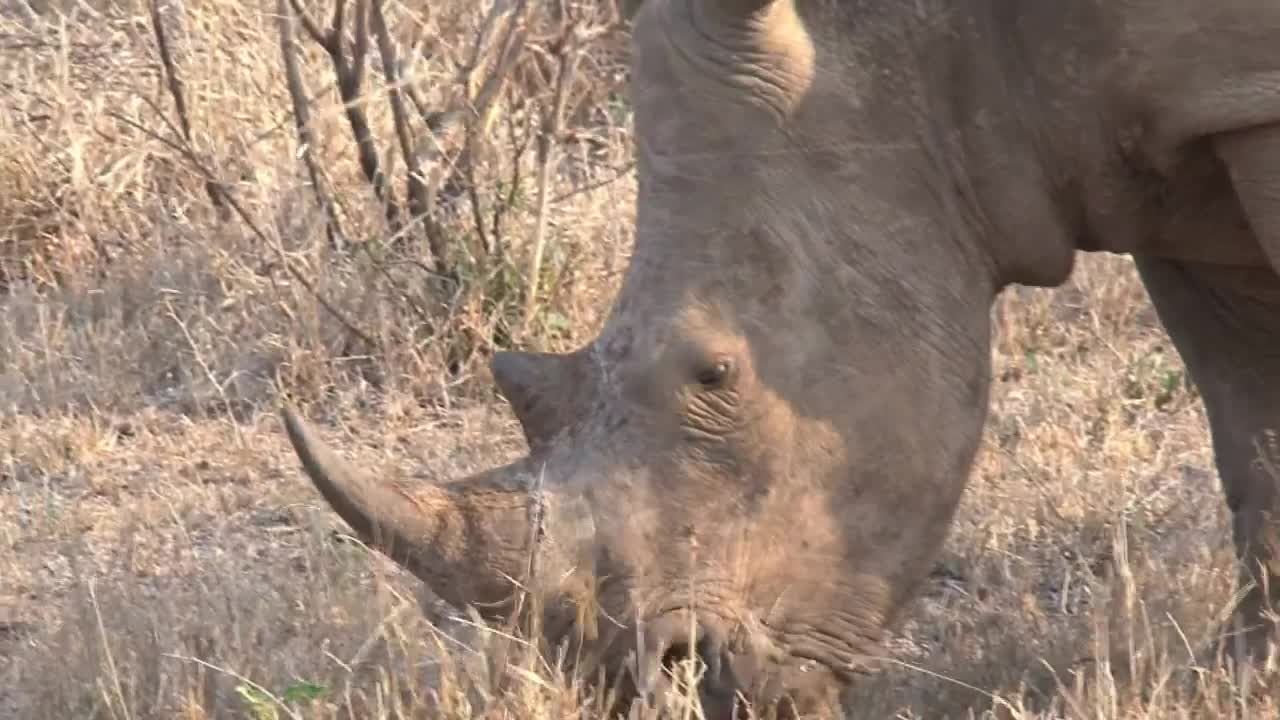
{"type": "Point", "coordinates": [467, 540]}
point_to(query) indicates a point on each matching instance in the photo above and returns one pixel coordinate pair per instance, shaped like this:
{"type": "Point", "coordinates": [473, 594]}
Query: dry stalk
{"type": "Point", "coordinates": [112, 670]}
{"type": "Point", "coordinates": [483, 100]}
{"type": "Point", "coordinates": [519, 147]}
{"type": "Point", "coordinates": [275, 700]}
{"type": "Point", "coordinates": [302, 123]}
{"type": "Point", "coordinates": [481, 96]}
{"type": "Point", "coordinates": [480, 108]}
{"type": "Point", "coordinates": [207, 370]}
{"type": "Point", "coordinates": [177, 90]}
{"type": "Point", "coordinates": [415, 183]}
{"type": "Point", "coordinates": [552, 122]}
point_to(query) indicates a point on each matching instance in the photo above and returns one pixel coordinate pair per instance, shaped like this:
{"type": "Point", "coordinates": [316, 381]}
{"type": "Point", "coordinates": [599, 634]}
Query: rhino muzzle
{"type": "Point", "coordinates": [471, 542]}
{"type": "Point", "coordinates": [734, 670]}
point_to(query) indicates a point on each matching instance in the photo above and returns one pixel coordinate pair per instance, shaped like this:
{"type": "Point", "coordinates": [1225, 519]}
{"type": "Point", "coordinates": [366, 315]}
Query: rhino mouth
{"type": "Point", "coordinates": [735, 672]}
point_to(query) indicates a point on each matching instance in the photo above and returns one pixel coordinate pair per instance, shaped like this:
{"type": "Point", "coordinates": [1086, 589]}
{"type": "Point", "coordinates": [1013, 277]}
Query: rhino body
{"type": "Point", "coordinates": [758, 458]}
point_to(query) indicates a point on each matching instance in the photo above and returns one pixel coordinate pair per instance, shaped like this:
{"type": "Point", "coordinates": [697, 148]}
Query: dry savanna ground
{"type": "Point", "coordinates": [197, 222]}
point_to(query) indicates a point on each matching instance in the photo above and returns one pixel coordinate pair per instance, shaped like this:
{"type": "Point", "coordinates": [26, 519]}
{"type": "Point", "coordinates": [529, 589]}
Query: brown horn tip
{"type": "Point", "coordinates": [374, 511]}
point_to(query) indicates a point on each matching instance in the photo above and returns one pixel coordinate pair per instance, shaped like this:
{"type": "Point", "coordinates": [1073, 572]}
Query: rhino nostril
{"type": "Point", "coordinates": [674, 655]}
{"type": "Point", "coordinates": [705, 656]}
{"type": "Point", "coordinates": [681, 652]}
{"type": "Point", "coordinates": [704, 652]}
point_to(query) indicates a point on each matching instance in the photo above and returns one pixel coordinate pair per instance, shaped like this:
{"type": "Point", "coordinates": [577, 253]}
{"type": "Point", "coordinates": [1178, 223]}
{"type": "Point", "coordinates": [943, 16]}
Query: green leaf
{"type": "Point", "coordinates": [556, 322]}
{"type": "Point", "coordinates": [304, 692]}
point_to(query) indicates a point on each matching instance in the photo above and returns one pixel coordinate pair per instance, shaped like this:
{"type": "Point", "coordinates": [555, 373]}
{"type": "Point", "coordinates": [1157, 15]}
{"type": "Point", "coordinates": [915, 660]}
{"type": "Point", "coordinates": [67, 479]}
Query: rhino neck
{"type": "Point", "coordinates": [967, 82]}
{"type": "Point", "coordinates": [1001, 79]}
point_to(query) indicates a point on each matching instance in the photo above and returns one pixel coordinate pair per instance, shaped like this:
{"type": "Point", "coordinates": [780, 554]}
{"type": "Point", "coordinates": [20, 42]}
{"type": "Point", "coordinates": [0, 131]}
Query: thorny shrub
{"type": "Point", "coordinates": [239, 197]}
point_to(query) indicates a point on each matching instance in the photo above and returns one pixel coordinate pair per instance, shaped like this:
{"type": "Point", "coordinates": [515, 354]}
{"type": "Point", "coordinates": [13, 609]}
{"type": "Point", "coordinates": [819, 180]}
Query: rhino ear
{"type": "Point", "coordinates": [538, 387]}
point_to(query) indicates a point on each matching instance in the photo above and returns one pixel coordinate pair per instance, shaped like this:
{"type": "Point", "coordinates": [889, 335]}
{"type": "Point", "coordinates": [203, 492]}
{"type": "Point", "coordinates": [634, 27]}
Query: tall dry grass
{"type": "Point", "coordinates": [168, 275]}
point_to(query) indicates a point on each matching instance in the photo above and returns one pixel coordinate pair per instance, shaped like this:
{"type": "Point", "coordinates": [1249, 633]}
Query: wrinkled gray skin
{"type": "Point", "coordinates": [772, 431]}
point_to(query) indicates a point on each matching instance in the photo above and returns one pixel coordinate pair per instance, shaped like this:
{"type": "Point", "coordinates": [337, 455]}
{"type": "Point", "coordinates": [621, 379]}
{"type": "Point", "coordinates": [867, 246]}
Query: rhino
{"type": "Point", "coordinates": [757, 458]}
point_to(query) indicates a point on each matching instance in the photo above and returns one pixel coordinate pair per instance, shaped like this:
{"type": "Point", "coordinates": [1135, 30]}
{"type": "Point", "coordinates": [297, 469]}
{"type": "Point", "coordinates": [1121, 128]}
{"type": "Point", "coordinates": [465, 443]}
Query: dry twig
{"type": "Point", "coordinates": [177, 90]}
{"type": "Point", "coordinates": [415, 185]}
{"type": "Point", "coordinates": [350, 74]}
{"type": "Point", "coordinates": [302, 122]}
{"type": "Point", "coordinates": [548, 140]}
{"type": "Point", "coordinates": [192, 157]}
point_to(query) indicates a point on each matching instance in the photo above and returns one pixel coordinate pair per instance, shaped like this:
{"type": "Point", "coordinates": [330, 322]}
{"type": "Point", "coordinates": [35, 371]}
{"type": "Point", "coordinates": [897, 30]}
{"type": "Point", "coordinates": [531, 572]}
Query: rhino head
{"type": "Point", "coordinates": [757, 458]}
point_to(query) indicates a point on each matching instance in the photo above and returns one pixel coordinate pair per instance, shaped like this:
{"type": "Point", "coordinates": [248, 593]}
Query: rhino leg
{"type": "Point", "coordinates": [1225, 323]}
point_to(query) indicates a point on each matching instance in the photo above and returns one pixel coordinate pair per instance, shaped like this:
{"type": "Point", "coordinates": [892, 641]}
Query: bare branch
{"type": "Point", "coordinates": [360, 50]}
{"type": "Point", "coordinates": [548, 141]}
{"type": "Point", "coordinates": [484, 100]}
{"type": "Point", "coordinates": [481, 43]}
{"type": "Point", "coordinates": [177, 91]}
{"type": "Point", "coordinates": [194, 159]}
{"type": "Point", "coordinates": [481, 106]}
{"type": "Point", "coordinates": [486, 244]}
{"type": "Point", "coordinates": [308, 24]}
{"type": "Point", "coordinates": [335, 26]}
{"type": "Point", "coordinates": [420, 203]}
{"type": "Point", "coordinates": [302, 121]}
{"type": "Point", "coordinates": [519, 148]}
{"type": "Point", "coordinates": [350, 76]}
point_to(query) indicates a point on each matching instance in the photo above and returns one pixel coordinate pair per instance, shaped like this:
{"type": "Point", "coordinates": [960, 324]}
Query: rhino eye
{"type": "Point", "coordinates": [715, 374]}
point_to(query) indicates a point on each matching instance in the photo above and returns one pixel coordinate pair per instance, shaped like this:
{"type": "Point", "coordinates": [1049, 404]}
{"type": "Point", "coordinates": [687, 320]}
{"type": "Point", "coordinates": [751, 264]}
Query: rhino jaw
{"type": "Point", "coordinates": [469, 541]}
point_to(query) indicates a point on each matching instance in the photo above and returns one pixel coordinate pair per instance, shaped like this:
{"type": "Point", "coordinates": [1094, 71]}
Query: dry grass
{"type": "Point", "coordinates": [160, 553]}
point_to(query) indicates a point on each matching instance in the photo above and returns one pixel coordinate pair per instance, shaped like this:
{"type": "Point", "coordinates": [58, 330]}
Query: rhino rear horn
{"type": "Point", "coordinates": [539, 387]}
